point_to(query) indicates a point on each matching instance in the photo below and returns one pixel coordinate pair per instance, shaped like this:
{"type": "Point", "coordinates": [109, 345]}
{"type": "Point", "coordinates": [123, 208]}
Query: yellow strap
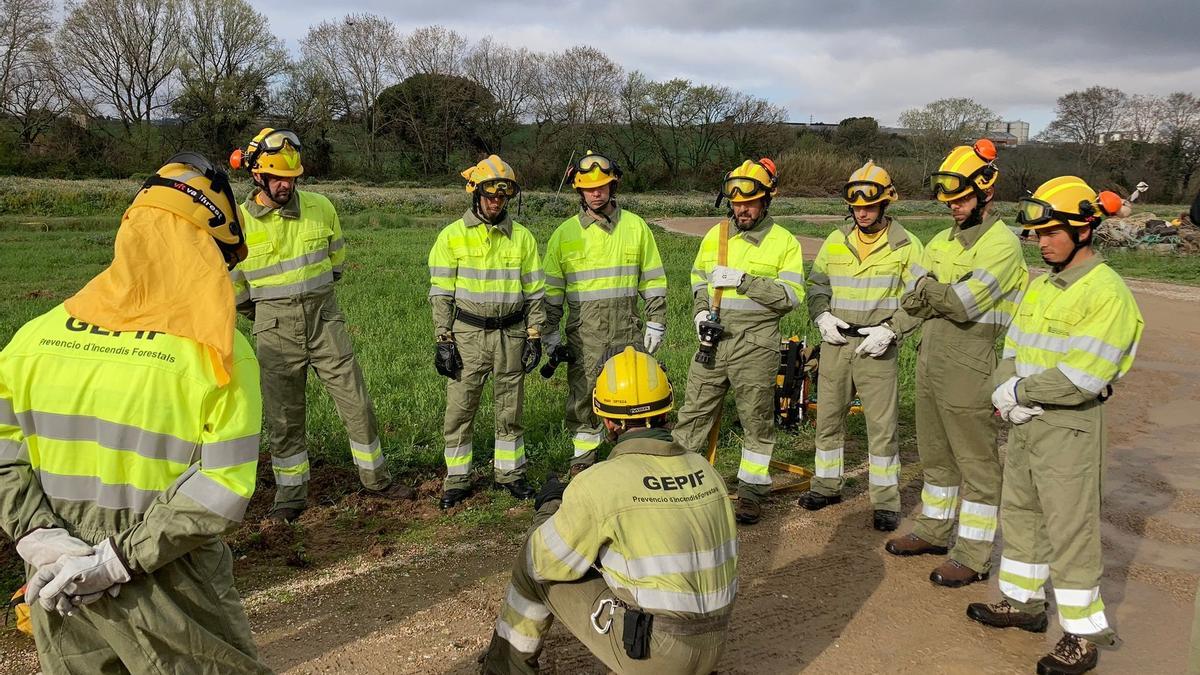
{"type": "Point", "coordinates": [722, 259]}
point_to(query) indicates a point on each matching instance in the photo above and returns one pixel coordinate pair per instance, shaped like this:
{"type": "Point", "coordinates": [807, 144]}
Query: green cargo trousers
{"type": "Point", "coordinates": [840, 375]}
{"type": "Point", "coordinates": [293, 334]}
{"type": "Point", "coordinates": [589, 341]}
{"type": "Point", "coordinates": [747, 366]}
{"type": "Point", "coordinates": [1050, 512]}
{"type": "Point", "coordinates": [484, 353]}
{"type": "Point", "coordinates": [185, 617]}
{"type": "Point", "coordinates": [956, 439]}
{"type": "Point", "coordinates": [573, 603]}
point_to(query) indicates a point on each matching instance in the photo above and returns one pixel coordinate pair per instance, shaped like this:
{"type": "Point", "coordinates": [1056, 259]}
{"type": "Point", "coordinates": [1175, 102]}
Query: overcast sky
{"type": "Point", "coordinates": [834, 60]}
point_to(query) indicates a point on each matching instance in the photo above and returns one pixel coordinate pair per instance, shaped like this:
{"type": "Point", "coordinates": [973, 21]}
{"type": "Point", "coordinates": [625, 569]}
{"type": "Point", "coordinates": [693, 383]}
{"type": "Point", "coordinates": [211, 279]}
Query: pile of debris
{"type": "Point", "coordinates": [1146, 231]}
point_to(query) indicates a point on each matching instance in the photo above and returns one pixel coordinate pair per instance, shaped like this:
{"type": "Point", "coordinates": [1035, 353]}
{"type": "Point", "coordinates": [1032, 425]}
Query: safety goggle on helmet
{"type": "Point", "coordinates": [751, 180]}
{"type": "Point", "coordinates": [966, 168]}
{"type": "Point", "coordinates": [277, 152]}
{"type": "Point", "coordinates": [593, 170]}
{"type": "Point", "coordinates": [1033, 212]}
{"type": "Point", "coordinates": [500, 187]}
{"type": "Point", "coordinates": [864, 191]}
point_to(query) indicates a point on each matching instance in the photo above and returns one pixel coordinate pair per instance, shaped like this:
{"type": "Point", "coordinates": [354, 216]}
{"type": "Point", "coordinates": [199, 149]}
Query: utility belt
{"type": "Point", "coordinates": [489, 322]}
{"type": "Point", "coordinates": [639, 625]}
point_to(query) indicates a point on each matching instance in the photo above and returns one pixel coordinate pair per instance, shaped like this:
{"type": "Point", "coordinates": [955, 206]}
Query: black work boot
{"type": "Point", "coordinates": [747, 512]}
{"type": "Point", "coordinates": [886, 521]}
{"type": "Point", "coordinates": [911, 544]}
{"type": "Point", "coordinates": [397, 491]}
{"type": "Point", "coordinates": [520, 489]}
{"type": "Point", "coordinates": [1072, 655]}
{"type": "Point", "coordinates": [953, 574]}
{"type": "Point", "coordinates": [453, 496]}
{"type": "Point", "coordinates": [815, 501]}
{"type": "Point", "coordinates": [1003, 615]}
{"type": "Point", "coordinates": [285, 514]}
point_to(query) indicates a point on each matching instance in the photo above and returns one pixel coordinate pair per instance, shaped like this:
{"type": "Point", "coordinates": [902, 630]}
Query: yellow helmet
{"type": "Point", "coordinates": [1066, 200]}
{"type": "Point", "coordinates": [966, 169]}
{"type": "Point", "coordinates": [631, 386]}
{"type": "Point", "coordinates": [492, 176]}
{"type": "Point", "coordinates": [275, 152]}
{"type": "Point", "coordinates": [751, 180]}
{"type": "Point", "coordinates": [193, 189]}
{"type": "Point", "coordinates": [593, 170]}
{"type": "Point", "coordinates": [870, 184]}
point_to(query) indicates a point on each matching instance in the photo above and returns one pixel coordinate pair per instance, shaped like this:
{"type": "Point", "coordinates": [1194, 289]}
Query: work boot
{"type": "Point", "coordinates": [284, 514]}
{"type": "Point", "coordinates": [576, 469]}
{"type": "Point", "coordinates": [520, 489]}
{"type": "Point", "coordinates": [397, 491]}
{"type": "Point", "coordinates": [911, 544]}
{"type": "Point", "coordinates": [815, 501]}
{"type": "Point", "coordinates": [886, 521]}
{"type": "Point", "coordinates": [748, 512]}
{"type": "Point", "coordinates": [453, 496]}
{"type": "Point", "coordinates": [1070, 656]}
{"type": "Point", "coordinates": [953, 574]}
{"type": "Point", "coordinates": [1003, 615]}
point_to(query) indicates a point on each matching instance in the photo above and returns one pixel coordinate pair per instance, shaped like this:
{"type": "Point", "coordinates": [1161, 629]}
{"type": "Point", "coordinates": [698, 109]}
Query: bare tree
{"type": "Point", "coordinates": [1181, 133]}
{"type": "Point", "coordinates": [756, 128]}
{"type": "Point", "coordinates": [1084, 117]}
{"type": "Point", "coordinates": [944, 123]}
{"type": "Point", "coordinates": [1144, 116]}
{"type": "Point", "coordinates": [35, 97]}
{"type": "Point", "coordinates": [119, 56]}
{"type": "Point", "coordinates": [430, 50]}
{"type": "Point", "coordinates": [511, 76]}
{"type": "Point", "coordinates": [629, 131]}
{"type": "Point", "coordinates": [24, 27]}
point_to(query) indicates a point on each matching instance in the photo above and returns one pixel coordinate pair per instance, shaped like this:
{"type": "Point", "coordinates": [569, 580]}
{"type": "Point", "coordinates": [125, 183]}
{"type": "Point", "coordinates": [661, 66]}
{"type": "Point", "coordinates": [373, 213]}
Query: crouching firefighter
{"type": "Point", "coordinates": [637, 556]}
{"type": "Point", "coordinates": [486, 290]}
{"type": "Point", "coordinates": [854, 294]}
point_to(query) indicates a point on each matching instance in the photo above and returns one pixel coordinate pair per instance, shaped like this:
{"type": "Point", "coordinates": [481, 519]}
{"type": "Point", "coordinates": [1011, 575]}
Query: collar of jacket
{"type": "Point", "coordinates": [587, 219]}
{"type": "Point", "coordinates": [290, 210]}
{"type": "Point", "coordinates": [505, 226]}
{"type": "Point", "coordinates": [659, 443]}
{"type": "Point", "coordinates": [967, 238]}
{"type": "Point", "coordinates": [756, 234]}
{"type": "Point", "coordinates": [897, 236]}
{"type": "Point", "coordinates": [1065, 278]}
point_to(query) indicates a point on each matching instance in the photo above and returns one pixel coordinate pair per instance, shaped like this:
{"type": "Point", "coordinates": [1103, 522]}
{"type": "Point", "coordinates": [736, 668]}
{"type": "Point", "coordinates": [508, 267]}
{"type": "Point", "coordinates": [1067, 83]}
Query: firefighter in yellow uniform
{"type": "Point", "coordinates": [854, 294]}
{"type": "Point", "coordinates": [1075, 333]}
{"type": "Point", "coordinates": [598, 263]}
{"type": "Point", "coordinates": [486, 290]}
{"type": "Point", "coordinates": [637, 557]}
{"type": "Point", "coordinates": [760, 280]}
{"type": "Point", "coordinates": [976, 277]}
{"type": "Point", "coordinates": [129, 432]}
{"type": "Point", "coordinates": [285, 286]}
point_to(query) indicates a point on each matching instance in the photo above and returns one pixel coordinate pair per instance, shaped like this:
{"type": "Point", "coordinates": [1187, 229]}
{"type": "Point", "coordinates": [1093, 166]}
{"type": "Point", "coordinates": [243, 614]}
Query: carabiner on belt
{"type": "Point", "coordinates": [612, 608]}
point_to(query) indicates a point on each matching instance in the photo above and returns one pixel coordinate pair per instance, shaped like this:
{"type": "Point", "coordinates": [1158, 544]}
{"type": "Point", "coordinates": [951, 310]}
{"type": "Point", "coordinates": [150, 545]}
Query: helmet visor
{"type": "Point", "coordinates": [948, 183]}
{"type": "Point", "coordinates": [746, 188]}
{"type": "Point", "coordinates": [275, 141]}
{"type": "Point", "coordinates": [501, 187]}
{"type": "Point", "coordinates": [863, 190]}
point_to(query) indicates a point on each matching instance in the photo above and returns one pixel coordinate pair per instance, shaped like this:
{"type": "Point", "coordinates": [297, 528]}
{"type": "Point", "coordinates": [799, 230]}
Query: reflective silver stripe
{"type": "Point", "coordinates": [791, 293]}
{"type": "Point", "coordinates": [442, 271]}
{"type": "Point", "coordinates": [603, 294]}
{"type": "Point", "coordinates": [502, 444]}
{"type": "Point", "coordinates": [991, 285]}
{"type": "Point", "coordinates": [287, 265]}
{"type": "Point", "coordinates": [533, 277]}
{"type": "Point", "coordinates": [742, 303]}
{"type": "Point", "coordinates": [555, 282]}
{"type": "Point", "coordinates": [862, 282]}
{"type": "Point", "coordinates": [700, 286]}
{"type": "Point", "coordinates": [530, 609]}
{"type": "Point", "coordinates": [215, 497]}
{"type": "Point", "coordinates": [1027, 369]}
{"type": "Point", "coordinates": [536, 295]}
{"type": "Point", "coordinates": [520, 642]}
{"type": "Point", "coordinates": [674, 601]}
{"type": "Point", "coordinates": [654, 293]}
{"type": "Point", "coordinates": [603, 273]}
{"type": "Point", "coordinates": [554, 300]}
{"type": "Point", "coordinates": [337, 244]}
{"type": "Point", "coordinates": [288, 462]}
{"type": "Point", "coordinates": [1008, 353]}
{"type": "Point", "coordinates": [1098, 348]}
{"type": "Point", "coordinates": [656, 273]}
{"type": "Point", "coordinates": [7, 416]}
{"type": "Point", "coordinates": [680, 563]}
{"type": "Point", "coordinates": [437, 290]}
{"type": "Point", "coordinates": [92, 489]}
{"type": "Point", "coordinates": [229, 453]}
{"type": "Point", "coordinates": [819, 289]}
{"type": "Point", "coordinates": [148, 444]}
{"type": "Point", "coordinates": [460, 451]}
{"type": "Point", "coordinates": [561, 550]}
{"type": "Point", "coordinates": [241, 297]}
{"type": "Point", "coordinates": [794, 277]}
{"type": "Point", "coordinates": [884, 471]}
{"type": "Point", "coordinates": [1085, 381]}
{"type": "Point", "coordinates": [288, 290]}
{"type": "Point", "coordinates": [697, 272]}
{"type": "Point", "coordinates": [995, 317]}
{"type": "Point", "coordinates": [501, 274]}
{"type": "Point", "coordinates": [488, 296]}
{"type": "Point", "coordinates": [864, 305]}
{"type": "Point", "coordinates": [10, 450]}
{"type": "Point", "coordinates": [917, 271]}
{"type": "Point", "coordinates": [1085, 343]}
{"type": "Point", "coordinates": [375, 459]}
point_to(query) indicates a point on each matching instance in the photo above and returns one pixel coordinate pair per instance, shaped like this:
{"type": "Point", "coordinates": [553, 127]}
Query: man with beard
{"type": "Point", "coordinates": [854, 294]}
{"type": "Point", "coordinates": [748, 274]}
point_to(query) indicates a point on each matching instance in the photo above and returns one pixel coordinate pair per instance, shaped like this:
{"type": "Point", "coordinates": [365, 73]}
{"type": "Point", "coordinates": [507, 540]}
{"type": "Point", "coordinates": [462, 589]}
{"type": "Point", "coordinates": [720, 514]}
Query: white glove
{"type": "Point", "coordinates": [550, 341]}
{"type": "Point", "coordinates": [1004, 398]}
{"type": "Point", "coordinates": [46, 545]}
{"type": "Point", "coordinates": [700, 317]}
{"type": "Point", "coordinates": [1020, 414]}
{"type": "Point", "coordinates": [829, 324]}
{"type": "Point", "coordinates": [654, 336]}
{"type": "Point", "coordinates": [62, 603]}
{"type": "Point", "coordinates": [876, 341]}
{"type": "Point", "coordinates": [726, 277]}
{"type": "Point", "coordinates": [86, 576]}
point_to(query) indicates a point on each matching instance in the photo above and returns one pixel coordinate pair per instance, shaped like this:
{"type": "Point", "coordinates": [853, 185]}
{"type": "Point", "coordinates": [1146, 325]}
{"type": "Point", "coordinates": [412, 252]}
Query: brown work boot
{"type": "Point", "coordinates": [285, 514]}
{"type": "Point", "coordinates": [1003, 615]}
{"type": "Point", "coordinates": [1072, 655]}
{"type": "Point", "coordinates": [911, 544]}
{"type": "Point", "coordinates": [748, 512]}
{"type": "Point", "coordinates": [953, 574]}
{"type": "Point", "coordinates": [576, 469]}
{"type": "Point", "coordinates": [397, 491]}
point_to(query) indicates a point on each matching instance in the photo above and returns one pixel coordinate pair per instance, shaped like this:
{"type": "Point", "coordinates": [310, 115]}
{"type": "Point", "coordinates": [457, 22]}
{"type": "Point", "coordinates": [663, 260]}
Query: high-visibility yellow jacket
{"type": "Point", "coordinates": [773, 286]}
{"type": "Point", "coordinates": [1075, 333]}
{"type": "Point", "coordinates": [866, 292]}
{"type": "Point", "coordinates": [978, 277]}
{"type": "Point", "coordinates": [654, 520]}
{"type": "Point", "coordinates": [125, 435]}
{"type": "Point", "coordinates": [295, 249]}
{"type": "Point", "coordinates": [486, 270]}
{"type": "Point", "coordinates": [597, 270]}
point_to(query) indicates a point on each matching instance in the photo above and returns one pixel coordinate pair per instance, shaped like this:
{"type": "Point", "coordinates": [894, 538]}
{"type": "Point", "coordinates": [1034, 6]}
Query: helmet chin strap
{"type": "Point", "coordinates": [612, 201]}
{"type": "Point", "coordinates": [1073, 233]}
{"type": "Point", "coordinates": [976, 216]}
{"type": "Point", "coordinates": [477, 209]}
{"type": "Point", "coordinates": [751, 226]}
{"type": "Point", "coordinates": [877, 224]}
{"type": "Point", "coordinates": [264, 184]}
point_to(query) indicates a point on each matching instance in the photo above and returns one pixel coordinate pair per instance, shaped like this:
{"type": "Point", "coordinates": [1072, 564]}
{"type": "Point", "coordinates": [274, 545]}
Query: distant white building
{"type": "Point", "coordinates": [1017, 129]}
